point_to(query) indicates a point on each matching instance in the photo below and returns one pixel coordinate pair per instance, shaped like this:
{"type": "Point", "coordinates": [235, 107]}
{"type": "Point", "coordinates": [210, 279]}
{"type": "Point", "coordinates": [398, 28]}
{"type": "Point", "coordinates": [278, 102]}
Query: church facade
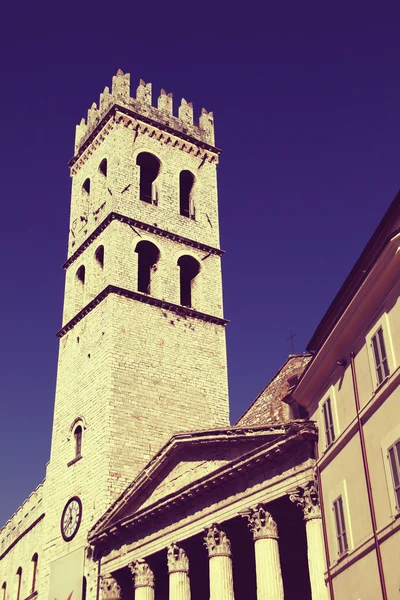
{"type": "Point", "coordinates": [149, 491]}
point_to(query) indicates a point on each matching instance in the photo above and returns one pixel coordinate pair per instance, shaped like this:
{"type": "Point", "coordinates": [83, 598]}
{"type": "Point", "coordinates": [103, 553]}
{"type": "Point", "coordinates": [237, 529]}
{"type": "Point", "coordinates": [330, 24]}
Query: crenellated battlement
{"type": "Point", "coordinates": [142, 105]}
{"type": "Point", "coordinates": [23, 518]}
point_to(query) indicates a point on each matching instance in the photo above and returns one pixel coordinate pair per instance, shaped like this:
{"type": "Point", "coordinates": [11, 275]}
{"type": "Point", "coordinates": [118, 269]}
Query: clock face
{"type": "Point", "coordinates": [71, 518]}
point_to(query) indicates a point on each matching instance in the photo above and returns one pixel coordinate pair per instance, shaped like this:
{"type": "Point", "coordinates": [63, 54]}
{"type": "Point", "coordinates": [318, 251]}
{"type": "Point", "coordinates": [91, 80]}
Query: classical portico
{"type": "Point", "coordinates": [233, 516]}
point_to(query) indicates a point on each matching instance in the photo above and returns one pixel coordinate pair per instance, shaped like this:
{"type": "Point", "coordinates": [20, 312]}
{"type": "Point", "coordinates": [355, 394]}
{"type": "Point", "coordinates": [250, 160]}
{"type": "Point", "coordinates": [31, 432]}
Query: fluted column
{"type": "Point", "coordinates": [268, 565]}
{"type": "Point", "coordinates": [307, 499]}
{"type": "Point", "coordinates": [178, 569]}
{"type": "Point", "coordinates": [110, 589]}
{"type": "Point", "coordinates": [143, 580]}
{"type": "Point", "coordinates": [220, 564]}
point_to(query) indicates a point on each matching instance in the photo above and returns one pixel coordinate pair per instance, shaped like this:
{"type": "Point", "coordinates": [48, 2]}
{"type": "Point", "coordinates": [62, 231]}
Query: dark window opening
{"type": "Point", "coordinates": [394, 459]}
{"type": "Point", "coordinates": [34, 572]}
{"type": "Point", "coordinates": [86, 187]}
{"type": "Point", "coordinates": [4, 588]}
{"type": "Point", "coordinates": [149, 169]}
{"type": "Point", "coordinates": [103, 167]}
{"type": "Point", "coordinates": [340, 523]}
{"type": "Point", "coordinates": [380, 356]}
{"type": "Point", "coordinates": [328, 422]}
{"type": "Point", "coordinates": [78, 441]}
{"type": "Point", "coordinates": [19, 573]}
{"type": "Point", "coordinates": [186, 182]}
{"type": "Point", "coordinates": [189, 268]}
{"type": "Point", "coordinates": [81, 274]}
{"type": "Point", "coordinates": [148, 255]}
{"type": "Point", "coordinates": [99, 255]}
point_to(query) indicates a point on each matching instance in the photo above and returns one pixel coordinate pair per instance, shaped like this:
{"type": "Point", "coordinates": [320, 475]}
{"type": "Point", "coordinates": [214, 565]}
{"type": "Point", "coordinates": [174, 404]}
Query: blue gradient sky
{"type": "Point", "coordinates": [307, 110]}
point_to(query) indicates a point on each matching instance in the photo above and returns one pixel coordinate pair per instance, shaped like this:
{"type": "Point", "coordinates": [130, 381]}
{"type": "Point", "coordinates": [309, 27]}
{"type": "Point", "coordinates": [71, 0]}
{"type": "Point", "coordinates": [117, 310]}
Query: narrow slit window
{"type": "Point", "coordinates": [148, 255]}
{"type": "Point", "coordinates": [149, 170]}
{"type": "Point", "coordinates": [78, 441]}
{"type": "Point", "coordinates": [394, 459]}
{"type": "Point", "coordinates": [19, 574]}
{"type": "Point", "coordinates": [4, 588]}
{"type": "Point", "coordinates": [340, 524]}
{"type": "Point", "coordinates": [99, 255]}
{"type": "Point", "coordinates": [86, 187]}
{"type": "Point", "coordinates": [380, 356]}
{"type": "Point", "coordinates": [103, 167]}
{"type": "Point", "coordinates": [34, 572]}
{"type": "Point", "coordinates": [328, 421]}
{"type": "Point", "coordinates": [189, 269]}
{"type": "Point", "coordinates": [186, 183]}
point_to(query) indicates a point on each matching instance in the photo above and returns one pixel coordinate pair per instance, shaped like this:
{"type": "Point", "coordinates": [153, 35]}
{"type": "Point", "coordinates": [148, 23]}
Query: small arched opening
{"type": "Point", "coordinates": [149, 170]}
{"type": "Point", "coordinates": [148, 255]}
{"type": "Point", "coordinates": [80, 275]}
{"type": "Point", "coordinates": [78, 433]}
{"type": "Point", "coordinates": [86, 188]}
{"type": "Point", "coordinates": [34, 571]}
{"type": "Point", "coordinates": [19, 575]}
{"type": "Point", "coordinates": [186, 183]}
{"type": "Point", "coordinates": [99, 256]}
{"type": "Point", "coordinates": [4, 590]}
{"type": "Point", "coordinates": [189, 269]}
{"type": "Point", "coordinates": [103, 167]}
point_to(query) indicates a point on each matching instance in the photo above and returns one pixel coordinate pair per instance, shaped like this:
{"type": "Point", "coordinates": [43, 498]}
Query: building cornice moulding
{"type": "Point", "coordinates": [181, 311]}
{"type": "Point", "coordinates": [113, 216]}
{"type": "Point", "coordinates": [145, 125]}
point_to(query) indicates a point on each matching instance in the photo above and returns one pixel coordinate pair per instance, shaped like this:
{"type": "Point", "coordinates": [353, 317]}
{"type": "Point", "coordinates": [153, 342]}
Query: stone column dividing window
{"type": "Point", "coordinates": [220, 563]}
{"type": "Point", "coordinates": [143, 580]}
{"type": "Point", "coordinates": [178, 569]}
{"type": "Point", "coordinates": [307, 499]}
{"type": "Point", "coordinates": [268, 566]}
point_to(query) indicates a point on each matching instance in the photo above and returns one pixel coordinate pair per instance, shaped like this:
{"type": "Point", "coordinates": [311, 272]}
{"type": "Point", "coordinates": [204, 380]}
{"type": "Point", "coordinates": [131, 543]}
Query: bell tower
{"type": "Point", "coordinates": [142, 345]}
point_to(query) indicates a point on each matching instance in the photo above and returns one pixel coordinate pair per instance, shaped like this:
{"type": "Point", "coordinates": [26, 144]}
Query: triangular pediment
{"type": "Point", "coordinates": [183, 463]}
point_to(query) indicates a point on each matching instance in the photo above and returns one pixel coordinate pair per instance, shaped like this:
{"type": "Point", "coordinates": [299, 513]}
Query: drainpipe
{"type": "Point", "coordinates": [368, 479]}
{"type": "Point", "coordinates": [324, 531]}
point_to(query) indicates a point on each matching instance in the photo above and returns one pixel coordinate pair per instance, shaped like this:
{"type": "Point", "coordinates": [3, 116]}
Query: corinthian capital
{"type": "Point", "coordinates": [143, 575]}
{"type": "Point", "coordinates": [110, 589]}
{"type": "Point", "coordinates": [261, 523]}
{"type": "Point", "coordinates": [216, 542]}
{"type": "Point", "coordinates": [307, 499]}
{"type": "Point", "coordinates": [178, 562]}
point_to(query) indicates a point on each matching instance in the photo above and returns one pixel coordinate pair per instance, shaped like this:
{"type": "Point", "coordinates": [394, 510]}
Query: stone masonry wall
{"type": "Point", "coordinates": [20, 539]}
{"type": "Point", "coordinates": [268, 407]}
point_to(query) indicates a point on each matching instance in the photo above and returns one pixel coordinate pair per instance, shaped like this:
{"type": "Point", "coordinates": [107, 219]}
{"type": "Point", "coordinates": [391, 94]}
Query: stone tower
{"type": "Point", "coordinates": [142, 346]}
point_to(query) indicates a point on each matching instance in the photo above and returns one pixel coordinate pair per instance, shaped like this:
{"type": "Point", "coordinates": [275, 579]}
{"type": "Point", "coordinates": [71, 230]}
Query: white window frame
{"type": "Point", "coordinates": [382, 323]}
{"type": "Point", "coordinates": [387, 443]}
{"type": "Point", "coordinates": [330, 394]}
{"type": "Point", "coordinates": [341, 491]}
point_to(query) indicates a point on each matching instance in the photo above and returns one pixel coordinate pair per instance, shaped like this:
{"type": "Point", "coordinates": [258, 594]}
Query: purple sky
{"type": "Point", "coordinates": [307, 111]}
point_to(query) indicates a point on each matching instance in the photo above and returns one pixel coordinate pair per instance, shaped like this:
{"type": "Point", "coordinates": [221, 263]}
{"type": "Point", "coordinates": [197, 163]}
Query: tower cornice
{"type": "Point", "coordinates": [112, 112]}
{"type": "Point", "coordinates": [182, 311]}
{"type": "Point", "coordinates": [113, 216]}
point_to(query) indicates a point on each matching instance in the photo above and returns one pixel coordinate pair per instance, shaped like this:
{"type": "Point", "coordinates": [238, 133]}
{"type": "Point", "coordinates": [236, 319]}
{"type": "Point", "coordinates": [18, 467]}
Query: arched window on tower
{"type": "Point", "coordinates": [189, 269]}
{"type": "Point", "coordinates": [99, 255]}
{"type": "Point", "coordinates": [149, 170]}
{"type": "Point", "coordinates": [103, 167]}
{"type": "Point", "coordinates": [4, 590]}
{"type": "Point", "coordinates": [34, 571]}
{"type": "Point", "coordinates": [148, 255]}
{"type": "Point", "coordinates": [19, 575]}
{"type": "Point", "coordinates": [86, 188]}
{"type": "Point", "coordinates": [80, 285]}
{"type": "Point", "coordinates": [186, 183]}
{"type": "Point", "coordinates": [78, 441]}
